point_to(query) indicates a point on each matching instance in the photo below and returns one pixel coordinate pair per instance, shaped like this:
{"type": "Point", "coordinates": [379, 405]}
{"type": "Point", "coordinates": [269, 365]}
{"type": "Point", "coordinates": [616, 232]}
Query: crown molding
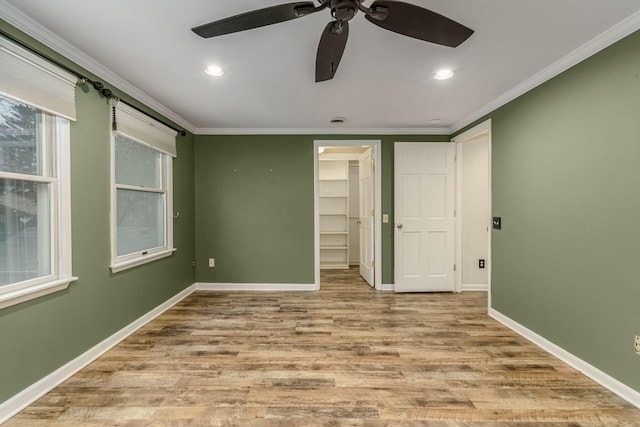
{"type": "Point", "coordinates": [32, 28]}
{"type": "Point", "coordinates": [619, 31]}
{"type": "Point", "coordinates": [22, 22]}
{"type": "Point", "coordinates": [322, 131]}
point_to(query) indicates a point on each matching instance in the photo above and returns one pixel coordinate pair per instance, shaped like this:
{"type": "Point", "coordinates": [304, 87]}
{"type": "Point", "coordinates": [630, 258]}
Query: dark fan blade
{"type": "Point", "coordinates": [255, 19]}
{"type": "Point", "coordinates": [330, 50]}
{"type": "Point", "coordinates": [417, 22]}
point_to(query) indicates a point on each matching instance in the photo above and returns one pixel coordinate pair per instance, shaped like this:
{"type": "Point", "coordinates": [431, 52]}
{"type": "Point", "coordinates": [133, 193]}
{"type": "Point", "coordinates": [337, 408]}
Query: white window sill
{"type": "Point", "coordinates": [130, 263]}
{"type": "Point", "coordinates": [22, 295]}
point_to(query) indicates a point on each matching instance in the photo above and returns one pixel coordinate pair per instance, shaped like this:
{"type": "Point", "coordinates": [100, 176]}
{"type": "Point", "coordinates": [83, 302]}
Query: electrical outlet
{"type": "Point", "coordinates": [212, 262]}
{"type": "Point", "coordinates": [637, 344]}
{"type": "Point", "coordinates": [480, 263]}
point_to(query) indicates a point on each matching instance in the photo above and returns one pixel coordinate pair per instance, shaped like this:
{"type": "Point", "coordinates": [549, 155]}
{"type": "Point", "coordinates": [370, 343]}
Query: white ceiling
{"type": "Point", "coordinates": [384, 83]}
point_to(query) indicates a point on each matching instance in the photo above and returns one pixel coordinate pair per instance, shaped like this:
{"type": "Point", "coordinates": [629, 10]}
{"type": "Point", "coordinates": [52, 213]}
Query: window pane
{"type": "Point", "coordinates": [25, 236]}
{"type": "Point", "coordinates": [140, 221]}
{"type": "Point", "coordinates": [19, 147]}
{"type": "Point", "coordinates": [136, 164]}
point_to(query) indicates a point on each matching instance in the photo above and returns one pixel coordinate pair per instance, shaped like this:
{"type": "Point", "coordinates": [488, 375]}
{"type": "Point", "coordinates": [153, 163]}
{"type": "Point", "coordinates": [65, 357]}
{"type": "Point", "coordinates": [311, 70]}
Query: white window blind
{"type": "Point", "coordinates": [133, 124]}
{"type": "Point", "coordinates": [32, 80]}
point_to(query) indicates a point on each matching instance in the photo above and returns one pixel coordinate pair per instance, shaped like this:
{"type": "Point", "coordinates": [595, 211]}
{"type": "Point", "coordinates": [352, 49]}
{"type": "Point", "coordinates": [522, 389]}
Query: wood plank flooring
{"type": "Point", "coordinates": [344, 356]}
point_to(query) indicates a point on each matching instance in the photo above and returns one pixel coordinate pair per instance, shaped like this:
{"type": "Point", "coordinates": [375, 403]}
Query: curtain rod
{"type": "Point", "coordinates": [97, 85]}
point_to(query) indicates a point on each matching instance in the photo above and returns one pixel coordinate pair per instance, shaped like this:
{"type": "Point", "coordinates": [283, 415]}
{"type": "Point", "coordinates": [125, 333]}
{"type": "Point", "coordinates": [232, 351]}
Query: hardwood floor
{"type": "Point", "coordinates": [344, 356]}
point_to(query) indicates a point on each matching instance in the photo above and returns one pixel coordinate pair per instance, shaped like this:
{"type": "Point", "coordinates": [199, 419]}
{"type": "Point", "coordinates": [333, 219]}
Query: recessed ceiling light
{"type": "Point", "coordinates": [214, 70]}
{"type": "Point", "coordinates": [435, 121]}
{"type": "Point", "coordinates": [338, 120]}
{"type": "Point", "coordinates": [443, 74]}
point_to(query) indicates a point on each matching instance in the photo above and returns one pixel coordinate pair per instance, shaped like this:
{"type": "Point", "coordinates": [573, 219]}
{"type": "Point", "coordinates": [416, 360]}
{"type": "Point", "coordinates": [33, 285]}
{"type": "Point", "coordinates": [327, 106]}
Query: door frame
{"type": "Point", "coordinates": [479, 130]}
{"type": "Point", "coordinates": [377, 191]}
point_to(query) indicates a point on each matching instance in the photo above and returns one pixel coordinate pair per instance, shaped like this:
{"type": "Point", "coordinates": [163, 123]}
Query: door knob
{"type": "Point", "coordinates": [399, 225]}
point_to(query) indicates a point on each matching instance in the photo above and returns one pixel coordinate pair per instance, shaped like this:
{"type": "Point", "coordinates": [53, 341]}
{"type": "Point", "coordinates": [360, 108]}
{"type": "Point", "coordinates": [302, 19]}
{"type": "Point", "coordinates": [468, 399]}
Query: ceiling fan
{"type": "Point", "coordinates": [402, 18]}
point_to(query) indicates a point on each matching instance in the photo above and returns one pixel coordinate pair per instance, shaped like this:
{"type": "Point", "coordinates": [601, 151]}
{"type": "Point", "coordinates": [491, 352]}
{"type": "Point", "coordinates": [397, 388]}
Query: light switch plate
{"type": "Point", "coordinates": [385, 218]}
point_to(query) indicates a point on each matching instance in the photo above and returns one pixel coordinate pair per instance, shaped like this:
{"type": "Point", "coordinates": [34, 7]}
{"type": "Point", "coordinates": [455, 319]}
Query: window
{"type": "Point", "coordinates": [141, 213]}
{"type": "Point", "coordinates": [36, 102]}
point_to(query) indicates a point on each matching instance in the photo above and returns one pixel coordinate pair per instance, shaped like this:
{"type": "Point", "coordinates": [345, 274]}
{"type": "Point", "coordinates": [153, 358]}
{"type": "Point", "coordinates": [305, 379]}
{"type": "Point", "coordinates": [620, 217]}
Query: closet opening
{"type": "Point", "coordinates": [347, 210]}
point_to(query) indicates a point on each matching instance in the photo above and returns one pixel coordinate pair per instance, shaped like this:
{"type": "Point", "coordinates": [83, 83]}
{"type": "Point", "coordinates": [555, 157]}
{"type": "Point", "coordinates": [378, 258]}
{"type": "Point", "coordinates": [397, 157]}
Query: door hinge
{"type": "Point", "coordinates": [373, 263]}
{"type": "Point", "coordinates": [454, 267]}
{"type": "Point", "coordinates": [455, 159]}
{"type": "Point", "coordinates": [455, 213]}
{"type": "Point", "coordinates": [373, 212]}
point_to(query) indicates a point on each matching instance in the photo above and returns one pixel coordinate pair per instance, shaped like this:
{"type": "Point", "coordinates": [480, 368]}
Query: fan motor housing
{"type": "Point", "coordinates": [343, 10]}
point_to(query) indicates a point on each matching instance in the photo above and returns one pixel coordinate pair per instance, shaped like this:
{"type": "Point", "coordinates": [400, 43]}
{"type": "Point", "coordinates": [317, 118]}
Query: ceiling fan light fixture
{"type": "Point", "coordinates": [443, 74]}
{"type": "Point", "coordinates": [214, 70]}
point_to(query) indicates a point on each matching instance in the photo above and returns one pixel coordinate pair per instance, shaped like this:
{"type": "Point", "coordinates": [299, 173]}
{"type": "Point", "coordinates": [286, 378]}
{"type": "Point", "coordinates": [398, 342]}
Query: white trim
{"type": "Point", "coordinates": [622, 29]}
{"type": "Point", "coordinates": [135, 262]}
{"type": "Point", "coordinates": [34, 29]}
{"type": "Point", "coordinates": [35, 391]}
{"type": "Point", "coordinates": [63, 136]}
{"type": "Point", "coordinates": [627, 393]}
{"type": "Point", "coordinates": [474, 288]}
{"type": "Point", "coordinates": [32, 292]}
{"type": "Point", "coordinates": [474, 132]}
{"type": "Point", "coordinates": [483, 128]}
{"type": "Point", "coordinates": [255, 287]}
{"type": "Point", "coordinates": [387, 287]}
{"type": "Point", "coordinates": [377, 144]}
{"type": "Point", "coordinates": [322, 131]}
{"type": "Point", "coordinates": [458, 185]}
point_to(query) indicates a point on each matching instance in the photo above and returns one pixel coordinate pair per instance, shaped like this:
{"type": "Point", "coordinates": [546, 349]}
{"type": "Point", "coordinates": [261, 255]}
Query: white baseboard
{"type": "Point", "coordinates": [261, 287]}
{"type": "Point", "coordinates": [627, 393]}
{"type": "Point", "coordinates": [474, 288]}
{"type": "Point", "coordinates": [387, 287]}
{"type": "Point", "coordinates": [35, 391]}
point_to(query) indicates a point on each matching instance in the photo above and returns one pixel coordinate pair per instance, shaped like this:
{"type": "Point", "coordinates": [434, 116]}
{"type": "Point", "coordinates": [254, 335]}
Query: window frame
{"type": "Point", "coordinates": [54, 134]}
{"type": "Point", "coordinates": [135, 259]}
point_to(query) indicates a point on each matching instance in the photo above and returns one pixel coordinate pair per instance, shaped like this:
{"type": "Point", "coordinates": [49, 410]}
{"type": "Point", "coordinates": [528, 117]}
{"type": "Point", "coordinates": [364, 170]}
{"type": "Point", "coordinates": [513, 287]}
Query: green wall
{"type": "Point", "coordinates": [254, 206]}
{"type": "Point", "coordinates": [566, 182]}
{"type": "Point", "coordinates": [41, 335]}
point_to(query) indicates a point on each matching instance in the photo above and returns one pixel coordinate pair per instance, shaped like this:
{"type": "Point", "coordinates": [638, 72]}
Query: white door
{"type": "Point", "coordinates": [424, 237]}
{"type": "Point", "coordinates": [365, 168]}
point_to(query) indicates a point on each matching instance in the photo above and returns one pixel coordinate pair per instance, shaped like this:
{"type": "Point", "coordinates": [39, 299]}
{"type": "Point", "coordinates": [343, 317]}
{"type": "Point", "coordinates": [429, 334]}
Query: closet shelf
{"type": "Point", "coordinates": [334, 203]}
